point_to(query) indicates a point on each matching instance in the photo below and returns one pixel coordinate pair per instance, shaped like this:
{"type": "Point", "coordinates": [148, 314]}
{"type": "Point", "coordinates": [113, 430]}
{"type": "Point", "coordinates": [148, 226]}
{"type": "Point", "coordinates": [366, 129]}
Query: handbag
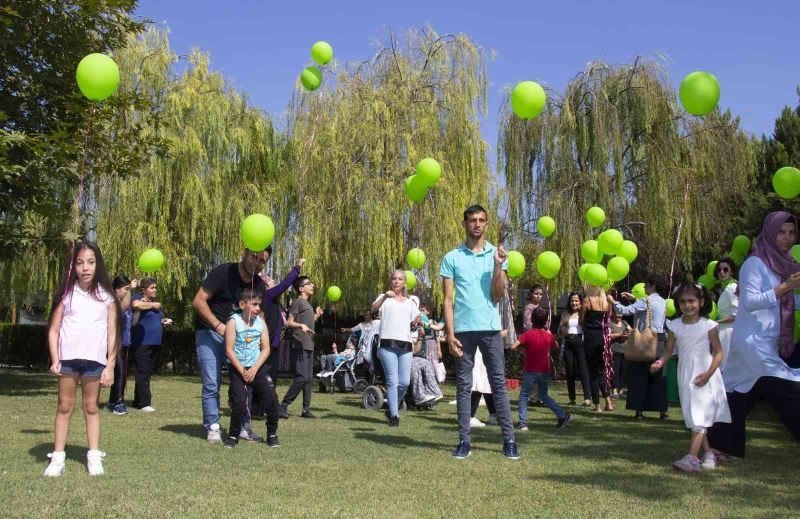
{"type": "Point", "coordinates": [641, 344]}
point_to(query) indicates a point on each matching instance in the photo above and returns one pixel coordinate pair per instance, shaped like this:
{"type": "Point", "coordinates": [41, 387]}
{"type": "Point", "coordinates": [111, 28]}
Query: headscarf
{"type": "Point", "coordinates": [782, 265]}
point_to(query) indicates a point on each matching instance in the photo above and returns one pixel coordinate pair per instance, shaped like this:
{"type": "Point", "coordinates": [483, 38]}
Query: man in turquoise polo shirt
{"type": "Point", "coordinates": [476, 270]}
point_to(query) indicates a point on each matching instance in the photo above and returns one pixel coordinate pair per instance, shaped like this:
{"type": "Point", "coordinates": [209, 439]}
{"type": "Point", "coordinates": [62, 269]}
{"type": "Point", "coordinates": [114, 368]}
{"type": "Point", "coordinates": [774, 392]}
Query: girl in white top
{"type": "Point", "coordinates": [727, 305]}
{"type": "Point", "coordinates": [83, 339]}
{"type": "Point", "coordinates": [398, 313]}
{"type": "Point", "coordinates": [700, 385]}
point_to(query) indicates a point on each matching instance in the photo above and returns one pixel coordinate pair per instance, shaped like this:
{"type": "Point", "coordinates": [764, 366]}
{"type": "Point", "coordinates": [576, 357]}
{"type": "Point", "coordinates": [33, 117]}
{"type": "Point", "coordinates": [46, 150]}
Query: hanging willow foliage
{"type": "Point", "coordinates": [616, 138]}
{"type": "Point", "coordinates": [356, 140]}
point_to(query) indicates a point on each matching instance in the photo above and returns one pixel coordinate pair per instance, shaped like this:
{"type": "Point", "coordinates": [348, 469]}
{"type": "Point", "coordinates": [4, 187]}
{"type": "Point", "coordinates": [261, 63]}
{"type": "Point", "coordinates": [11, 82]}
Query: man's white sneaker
{"type": "Point", "coordinates": [214, 434]}
{"type": "Point", "coordinates": [474, 422]}
{"type": "Point", "coordinates": [94, 462]}
{"type": "Point", "coordinates": [56, 466]}
{"type": "Point", "coordinates": [147, 409]}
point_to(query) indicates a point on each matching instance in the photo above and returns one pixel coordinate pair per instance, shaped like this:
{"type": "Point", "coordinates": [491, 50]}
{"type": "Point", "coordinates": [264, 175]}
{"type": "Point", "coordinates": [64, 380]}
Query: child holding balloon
{"type": "Point", "coordinates": [83, 339]}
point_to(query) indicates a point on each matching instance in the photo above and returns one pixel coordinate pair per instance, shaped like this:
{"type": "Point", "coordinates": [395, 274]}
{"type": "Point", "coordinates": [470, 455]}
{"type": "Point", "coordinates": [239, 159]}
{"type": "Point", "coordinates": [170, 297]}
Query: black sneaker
{"type": "Point", "coordinates": [282, 412]}
{"type": "Point", "coordinates": [229, 442]}
{"type": "Point", "coordinates": [272, 441]}
{"type": "Point", "coordinates": [463, 451]}
{"type": "Point", "coordinates": [510, 451]}
{"type": "Point", "coordinates": [394, 421]}
{"type": "Point", "coordinates": [567, 420]}
{"type": "Point", "coordinates": [387, 417]}
{"type": "Point", "coordinates": [308, 414]}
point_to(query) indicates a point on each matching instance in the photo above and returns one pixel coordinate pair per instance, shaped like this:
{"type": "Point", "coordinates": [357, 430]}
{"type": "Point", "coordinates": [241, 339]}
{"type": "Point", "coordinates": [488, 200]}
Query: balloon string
{"type": "Point", "coordinates": [77, 212]}
{"type": "Point", "coordinates": [680, 228]}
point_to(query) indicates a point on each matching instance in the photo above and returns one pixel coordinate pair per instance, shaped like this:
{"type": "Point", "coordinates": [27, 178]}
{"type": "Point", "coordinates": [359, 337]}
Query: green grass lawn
{"type": "Point", "coordinates": [348, 463]}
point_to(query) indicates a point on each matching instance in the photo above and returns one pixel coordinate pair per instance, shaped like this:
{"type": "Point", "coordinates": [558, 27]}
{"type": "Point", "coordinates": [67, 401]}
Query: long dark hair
{"type": "Point", "coordinates": [99, 281]}
{"type": "Point", "coordinates": [731, 265]}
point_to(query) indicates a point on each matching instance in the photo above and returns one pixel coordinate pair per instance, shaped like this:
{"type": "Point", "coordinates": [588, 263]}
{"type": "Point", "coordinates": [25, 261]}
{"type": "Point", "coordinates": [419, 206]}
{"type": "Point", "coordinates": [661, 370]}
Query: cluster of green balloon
{"type": "Point", "coordinates": [786, 182]}
{"type": "Point", "coordinates": [595, 274]}
{"type": "Point", "coordinates": [699, 92]}
{"type": "Point", "coordinates": [151, 260]}
{"type": "Point", "coordinates": [546, 226]}
{"type": "Point", "coordinates": [415, 258]}
{"type": "Point", "coordinates": [638, 291]}
{"type": "Point", "coordinates": [590, 251]}
{"type": "Point", "coordinates": [257, 232]}
{"type": "Point", "coordinates": [97, 76]}
{"type": "Point", "coordinates": [411, 280]}
{"type": "Point", "coordinates": [618, 268]}
{"type": "Point", "coordinates": [707, 281]}
{"type": "Point", "coordinates": [333, 293]}
{"type": "Point", "coordinates": [425, 177]}
{"type": "Point", "coordinates": [528, 99]}
{"type": "Point", "coordinates": [609, 242]}
{"type": "Point", "coordinates": [628, 250]}
{"type": "Point", "coordinates": [595, 217]}
{"type": "Point", "coordinates": [548, 264]}
{"type": "Point", "coordinates": [322, 54]}
{"type": "Point", "coordinates": [671, 311]}
{"type": "Point", "coordinates": [739, 251]}
{"type": "Point", "coordinates": [516, 264]}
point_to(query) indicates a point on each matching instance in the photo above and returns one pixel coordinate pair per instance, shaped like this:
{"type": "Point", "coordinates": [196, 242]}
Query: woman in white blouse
{"type": "Point", "coordinates": [763, 336]}
{"type": "Point", "coordinates": [727, 304]}
{"type": "Point", "coordinates": [398, 313]}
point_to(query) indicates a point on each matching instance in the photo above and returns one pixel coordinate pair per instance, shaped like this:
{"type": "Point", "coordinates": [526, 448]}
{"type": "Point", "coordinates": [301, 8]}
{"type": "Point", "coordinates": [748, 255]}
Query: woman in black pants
{"type": "Point", "coordinates": [594, 311]}
{"type": "Point", "coordinates": [574, 354]}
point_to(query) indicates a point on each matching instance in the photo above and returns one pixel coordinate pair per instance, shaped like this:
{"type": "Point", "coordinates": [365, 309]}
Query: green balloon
{"type": "Point", "coordinates": [595, 216]}
{"type": "Point", "coordinates": [322, 52]}
{"type": "Point", "coordinates": [151, 260]}
{"type": "Point", "coordinates": [610, 241]}
{"type": "Point", "coordinates": [786, 182]}
{"type": "Point", "coordinates": [97, 76]}
{"type": "Point", "coordinates": [618, 268]}
{"type": "Point", "coordinates": [796, 253]}
{"type": "Point", "coordinates": [699, 92]}
{"type": "Point", "coordinates": [711, 268]}
{"type": "Point", "coordinates": [528, 99]}
{"type": "Point", "coordinates": [670, 307]}
{"type": "Point", "coordinates": [590, 252]}
{"type": "Point", "coordinates": [596, 275]}
{"type": "Point", "coordinates": [311, 78]}
{"type": "Point", "coordinates": [411, 280]}
{"type": "Point", "coordinates": [737, 257]}
{"type": "Point", "coordinates": [582, 272]}
{"type": "Point", "coordinates": [548, 264]}
{"type": "Point", "coordinates": [628, 250]}
{"type": "Point", "coordinates": [334, 293]}
{"type": "Point", "coordinates": [428, 172]}
{"type": "Point", "coordinates": [741, 244]}
{"type": "Point", "coordinates": [516, 264]}
{"type": "Point", "coordinates": [546, 226]}
{"type": "Point", "coordinates": [638, 291]}
{"type": "Point", "coordinates": [415, 189]}
{"type": "Point", "coordinates": [714, 313]}
{"type": "Point", "coordinates": [707, 281]}
{"type": "Point", "coordinates": [257, 232]}
{"type": "Point", "coordinates": [415, 258]}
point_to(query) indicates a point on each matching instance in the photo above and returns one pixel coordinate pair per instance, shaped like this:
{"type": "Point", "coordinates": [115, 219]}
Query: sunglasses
{"type": "Point", "coordinates": [306, 283]}
{"type": "Point", "coordinates": [723, 269]}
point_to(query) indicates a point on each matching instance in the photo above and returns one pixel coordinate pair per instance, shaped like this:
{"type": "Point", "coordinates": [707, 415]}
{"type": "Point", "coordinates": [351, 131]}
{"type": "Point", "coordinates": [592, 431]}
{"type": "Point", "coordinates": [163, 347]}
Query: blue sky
{"type": "Point", "coordinates": [752, 47]}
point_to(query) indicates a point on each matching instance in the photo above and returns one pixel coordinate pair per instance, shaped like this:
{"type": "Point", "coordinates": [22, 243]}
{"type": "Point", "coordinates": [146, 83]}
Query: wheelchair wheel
{"type": "Point", "coordinates": [360, 386]}
{"type": "Point", "coordinates": [372, 398]}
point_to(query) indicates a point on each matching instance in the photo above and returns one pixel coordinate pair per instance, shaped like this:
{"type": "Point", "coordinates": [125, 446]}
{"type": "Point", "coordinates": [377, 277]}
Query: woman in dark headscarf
{"type": "Point", "coordinates": [763, 336]}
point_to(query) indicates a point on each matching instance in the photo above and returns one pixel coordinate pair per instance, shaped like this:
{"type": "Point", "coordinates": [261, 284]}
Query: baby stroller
{"type": "Point", "coordinates": [351, 375]}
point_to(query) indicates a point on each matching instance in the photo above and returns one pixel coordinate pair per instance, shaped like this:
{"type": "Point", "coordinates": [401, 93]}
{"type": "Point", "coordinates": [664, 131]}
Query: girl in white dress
{"type": "Point", "coordinates": [702, 392]}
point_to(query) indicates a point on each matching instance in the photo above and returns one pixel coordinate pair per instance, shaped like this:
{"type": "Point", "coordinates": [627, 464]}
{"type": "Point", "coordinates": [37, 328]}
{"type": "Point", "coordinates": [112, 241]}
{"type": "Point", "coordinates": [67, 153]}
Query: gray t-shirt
{"type": "Point", "coordinates": [303, 313]}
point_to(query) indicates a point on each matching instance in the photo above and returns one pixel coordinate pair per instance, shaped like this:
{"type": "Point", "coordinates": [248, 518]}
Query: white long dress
{"type": "Point", "coordinates": [702, 406]}
{"type": "Point", "coordinates": [727, 305]}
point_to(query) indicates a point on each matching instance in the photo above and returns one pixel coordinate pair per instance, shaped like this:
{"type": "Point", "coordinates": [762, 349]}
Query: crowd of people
{"type": "Point", "coordinates": [615, 348]}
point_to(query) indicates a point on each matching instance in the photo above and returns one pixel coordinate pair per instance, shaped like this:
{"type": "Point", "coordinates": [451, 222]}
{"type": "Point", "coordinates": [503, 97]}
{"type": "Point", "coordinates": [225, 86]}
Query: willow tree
{"type": "Point", "coordinates": [356, 140]}
{"type": "Point", "coordinates": [616, 138]}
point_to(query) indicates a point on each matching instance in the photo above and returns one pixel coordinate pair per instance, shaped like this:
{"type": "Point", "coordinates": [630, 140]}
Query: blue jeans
{"type": "Point", "coordinates": [530, 378]}
{"type": "Point", "coordinates": [396, 364]}
{"type": "Point", "coordinates": [210, 358]}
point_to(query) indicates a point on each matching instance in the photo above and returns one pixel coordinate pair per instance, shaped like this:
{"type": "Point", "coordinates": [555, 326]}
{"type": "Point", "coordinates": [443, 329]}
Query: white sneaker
{"type": "Point", "coordinates": [147, 409]}
{"type": "Point", "coordinates": [94, 462]}
{"type": "Point", "coordinates": [474, 422]}
{"type": "Point", "coordinates": [56, 466]}
{"type": "Point", "coordinates": [214, 434]}
{"type": "Point", "coordinates": [492, 419]}
{"type": "Point", "coordinates": [709, 462]}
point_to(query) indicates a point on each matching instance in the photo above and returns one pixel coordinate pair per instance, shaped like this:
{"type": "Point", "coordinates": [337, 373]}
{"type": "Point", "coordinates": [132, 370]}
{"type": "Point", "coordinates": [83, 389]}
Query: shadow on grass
{"type": "Point", "coordinates": [23, 382]}
{"type": "Point", "coordinates": [401, 441]}
{"type": "Point", "coordinates": [356, 418]}
{"type": "Point", "coordinates": [195, 431]}
{"type": "Point", "coordinates": [35, 431]}
{"type": "Point", "coordinates": [40, 452]}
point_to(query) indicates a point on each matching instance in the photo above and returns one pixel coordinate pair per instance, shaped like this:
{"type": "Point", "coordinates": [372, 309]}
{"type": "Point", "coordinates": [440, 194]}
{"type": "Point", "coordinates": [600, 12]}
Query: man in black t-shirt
{"type": "Point", "coordinates": [301, 322]}
{"type": "Point", "coordinates": [214, 303]}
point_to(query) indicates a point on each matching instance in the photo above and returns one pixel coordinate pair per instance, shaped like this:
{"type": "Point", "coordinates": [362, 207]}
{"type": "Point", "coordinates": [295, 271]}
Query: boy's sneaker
{"type": "Point", "coordinates": [492, 419]}
{"type": "Point", "coordinates": [147, 409]}
{"type": "Point", "coordinates": [230, 442]}
{"type": "Point", "coordinates": [250, 436]}
{"type": "Point", "coordinates": [56, 466]}
{"type": "Point", "coordinates": [709, 462]}
{"type": "Point", "coordinates": [510, 451]}
{"type": "Point", "coordinates": [523, 426]}
{"type": "Point", "coordinates": [474, 422]}
{"type": "Point", "coordinates": [463, 451]}
{"type": "Point", "coordinates": [214, 434]}
{"type": "Point", "coordinates": [688, 463]}
{"type": "Point", "coordinates": [110, 407]}
{"type": "Point", "coordinates": [94, 462]}
{"type": "Point", "coordinates": [565, 421]}
{"type": "Point", "coordinates": [282, 412]}
{"type": "Point", "coordinates": [120, 410]}
{"type": "Point", "coordinates": [272, 441]}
